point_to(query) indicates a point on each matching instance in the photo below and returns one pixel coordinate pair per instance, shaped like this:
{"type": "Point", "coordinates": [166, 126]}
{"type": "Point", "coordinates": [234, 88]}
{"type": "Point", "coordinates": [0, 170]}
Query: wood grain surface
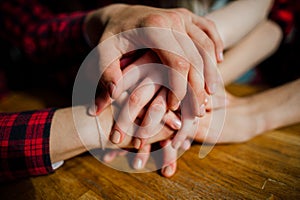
{"type": "Point", "coordinates": [267, 167]}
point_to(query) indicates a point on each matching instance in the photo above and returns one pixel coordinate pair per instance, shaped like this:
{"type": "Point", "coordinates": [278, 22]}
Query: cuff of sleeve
{"type": "Point", "coordinates": [57, 165]}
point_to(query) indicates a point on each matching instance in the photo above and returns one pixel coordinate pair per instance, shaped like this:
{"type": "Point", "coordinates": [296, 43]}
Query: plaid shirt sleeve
{"type": "Point", "coordinates": [24, 144]}
{"type": "Point", "coordinates": [40, 33]}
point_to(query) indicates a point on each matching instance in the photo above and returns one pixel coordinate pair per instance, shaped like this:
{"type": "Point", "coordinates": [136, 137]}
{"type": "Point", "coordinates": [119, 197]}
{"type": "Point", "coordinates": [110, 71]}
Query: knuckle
{"type": "Point", "coordinates": [158, 106]}
{"type": "Point", "coordinates": [201, 95]}
{"type": "Point", "coordinates": [183, 11]}
{"type": "Point", "coordinates": [175, 17]}
{"type": "Point", "coordinates": [182, 64]}
{"type": "Point", "coordinates": [207, 44]}
{"type": "Point", "coordinates": [135, 99]}
{"type": "Point", "coordinates": [177, 91]}
{"type": "Point", "coordinates": [155, 19]}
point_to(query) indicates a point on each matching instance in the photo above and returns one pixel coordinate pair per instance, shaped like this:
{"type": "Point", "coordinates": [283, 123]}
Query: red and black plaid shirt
{"type": "Point", "coordinates": [24, 144]}
{"type": "Point", "coordinates": [41, 33]}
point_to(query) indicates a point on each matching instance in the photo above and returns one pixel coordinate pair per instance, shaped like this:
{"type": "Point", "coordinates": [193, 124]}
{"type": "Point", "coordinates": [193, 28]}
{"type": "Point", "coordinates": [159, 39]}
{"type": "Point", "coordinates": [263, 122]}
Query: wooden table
{"type": "Point", "coordinates": [267, 167]}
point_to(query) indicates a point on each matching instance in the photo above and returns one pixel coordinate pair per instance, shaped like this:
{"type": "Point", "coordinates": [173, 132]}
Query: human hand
{"type": "Point", "coordinates": [239, 116]}
{"type": "Point", "coordinates": [129, 111]}
{"type": "Point", "coordinates": [241, 122]}
{"type": "Point", "coordinates": [179, 38]}
{"type": "Point", "coordinates": [145, 85]}
{"type": "Point", "coordinates": [166, 162]}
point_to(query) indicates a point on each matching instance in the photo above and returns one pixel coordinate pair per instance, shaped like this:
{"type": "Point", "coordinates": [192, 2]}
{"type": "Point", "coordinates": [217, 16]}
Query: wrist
{"type": "Point", "coordinates": [257, 114]}
{"type": "Point", "coordinates": [96, 20]}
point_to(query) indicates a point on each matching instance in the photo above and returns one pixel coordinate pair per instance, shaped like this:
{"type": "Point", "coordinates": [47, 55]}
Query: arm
{"type": "Point", "coordinates": [238, 18]}
{"type": "Point", "coordinates": [277, 110]}
{"type": "Point", "coordinates": [254, 115]}
{"type": "Point", "coordinates": [24, 144]}
{"type": "Point", "coordinates": [74, 131]}
{"type": "Point", "coordinates": [251, 50]}
{"type": "Point", "coordinates": [41, 34]}
{"type": "Point", "coordinates": [31, 141]}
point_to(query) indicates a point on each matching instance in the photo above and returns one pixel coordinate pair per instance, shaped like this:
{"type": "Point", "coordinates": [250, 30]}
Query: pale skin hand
{"type": "Point", "coordinates": [251, 115]}
{"type": "Point", "coordinates": [156, 109]}
{"type": "Point", "coordinates": [244, 28]}
{"type": "Point", "coordinates": [230, 39]}
{"type": "Point", "coordinates": [239, 58]}
{"type": "Point", "coordinates": [200, 32]}
{"type": "Point", "coordinates": [247, 47]}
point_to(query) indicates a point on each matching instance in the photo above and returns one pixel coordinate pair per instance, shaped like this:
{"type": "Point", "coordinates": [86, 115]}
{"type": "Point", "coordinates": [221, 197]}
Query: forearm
{"type": "Point", "coordinates": [74, 131]}
{"type": "Point", "coordinates": [251, 50]}
{"type": "Point", "coordinates": [96, 21]}
{"type": "Point", "coordinates": [276, 107]}
{"type": "Point", "coordinates": [238, 18]}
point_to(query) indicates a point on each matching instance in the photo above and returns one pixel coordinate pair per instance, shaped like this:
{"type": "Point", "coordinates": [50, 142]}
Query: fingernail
{"type": "Point", "coordinates": [174, 107]}
{"type": "Point", "coordinates": [138, 163]}
{"type": "Point", "coordinates": [213, 88]}
{"type": "Point", "coordinates": [176, 123]}
{"type": "Point", "coordinates": [202, 110]}
{"type": "Point", "coordinates": [108, 157]}
{"type": "Point", "coordinates": [186, 145]}
{"type": "Point", "coordinates": [92, 110]}
{"type": "Point", "coordinates": [168, 171]}
{"type": "Point", "coordinates": [116, 136]}
{"type": "Point", "coordinates": [176, 145]}
{"type": "Point", "coordinates": [111, 88]}
{"type": "Point", "coordinates": [221, 56]}
{"type": "Point", "coordinates": [137, 143]}
{"type": "Point", "coordinates": [205, 101]}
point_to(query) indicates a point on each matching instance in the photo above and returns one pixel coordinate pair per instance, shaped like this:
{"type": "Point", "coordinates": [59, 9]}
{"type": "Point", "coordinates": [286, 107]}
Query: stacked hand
{"type": "Point", "coordinates": [185, 48]}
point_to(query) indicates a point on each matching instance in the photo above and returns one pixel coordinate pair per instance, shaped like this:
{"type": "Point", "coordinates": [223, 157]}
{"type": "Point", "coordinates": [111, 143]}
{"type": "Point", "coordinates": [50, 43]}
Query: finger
{"type": "Point", "coordinates": [178, 73]}
{"type": "Point", "coordinates": [142, 157]}
{"type": "Point", "coordinates": [151, 123]}
{"type": "Point", "coordinates": [113, 153]}
{"type": "Point", "coordinates": [109, 53]}
{"type": "Point", "coordinates": [112, 79]}
{"type": "Point", "coordinates": [196, 71]}
{"type": "Point", "coordinates": [196, 94]}
{"type": "Point", "coordinates": [206, 48]}
{"type": "Point", "coordinates": [169, 160]}
{"type": "Point", "coordinates": [138, 70]}
{"type": "Point", "coordinates": [164, 134]}
{"type": "Point", "coordinates": [136, 101]}
{"type": "Point", "coordinates": [102, 102]}
{"type": "Point", "coordinates": [110, 156]}
{"type": "Point", "coordinates": [166, 46]}
{"type": "Point", "coordinates": [210, 29]}
{"type": "Point", "coordinates": [217, 101]}
{"type": "Point", "coordinates": [186, 145]}
{"type": "Point", "coordinates": [131, 57]}
{"type": "Point", "coordinates": [188, 126]}
{"type": "Point", "coordinates": [172, 120]}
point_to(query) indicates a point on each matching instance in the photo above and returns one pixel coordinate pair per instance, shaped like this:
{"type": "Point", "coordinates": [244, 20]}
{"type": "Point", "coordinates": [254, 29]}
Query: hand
{"type": "Point", "coordinates": [196, 33]}
{"type": "Point", "coordinates": [239, 116]}
{"type": "Point", "coordinates": [167, 164]}
{"type": "Point", "coordinates": [146, 85]}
